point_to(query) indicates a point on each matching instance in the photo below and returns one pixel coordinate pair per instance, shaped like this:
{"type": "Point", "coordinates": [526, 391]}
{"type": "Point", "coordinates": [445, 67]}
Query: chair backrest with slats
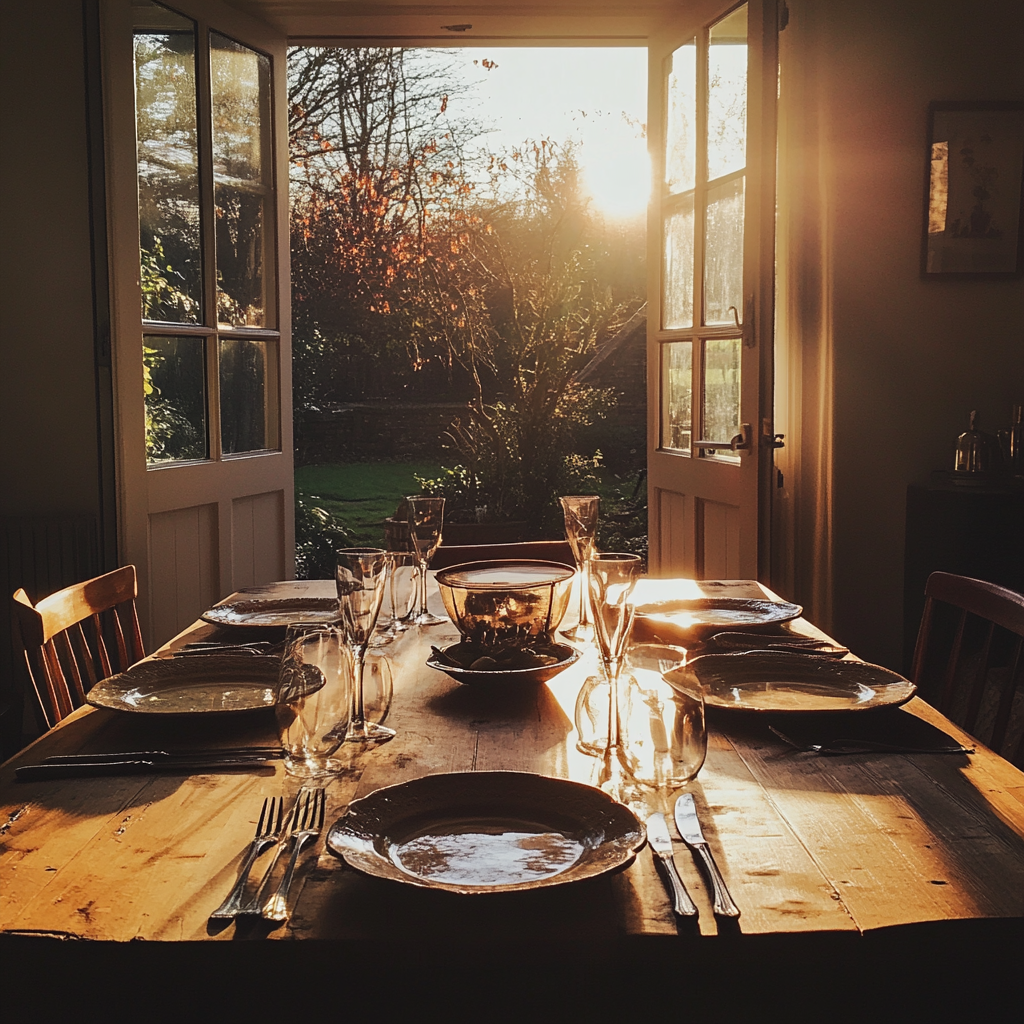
{"type": "Point", "coordinates": [78, 636]}
{"type": "Point", "coordinates": [546, 550]}
{"type": "Point", "coordinates": [969, 658]}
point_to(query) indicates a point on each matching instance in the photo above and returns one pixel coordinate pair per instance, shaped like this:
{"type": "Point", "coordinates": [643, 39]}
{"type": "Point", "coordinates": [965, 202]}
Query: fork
{"type": "Point", "coordinates": [305, 827]}
{"type": "Point", "coordinates": [268, 832]}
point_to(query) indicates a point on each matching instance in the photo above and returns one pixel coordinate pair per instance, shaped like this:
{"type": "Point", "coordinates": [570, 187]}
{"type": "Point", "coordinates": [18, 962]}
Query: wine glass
{"type": "Point", "coordinates": [580, 512]}
{"type": "Point", "coordinates": [403, 576]}
{"type": "Point", "coordinates": [362, 579]}
{"type": "Point", "coordinates": [611, 579]}
{"type": "Point", "coordinates": [314, 699]}
{"type": "Point", "coordinates": [426, 517]}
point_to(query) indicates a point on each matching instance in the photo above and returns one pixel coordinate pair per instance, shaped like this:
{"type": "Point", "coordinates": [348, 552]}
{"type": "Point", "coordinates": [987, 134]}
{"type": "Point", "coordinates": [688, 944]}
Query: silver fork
{"type": "Point", "coordinates": [305, 827]}
{"type": "Point", "coordinates": [268, 832]}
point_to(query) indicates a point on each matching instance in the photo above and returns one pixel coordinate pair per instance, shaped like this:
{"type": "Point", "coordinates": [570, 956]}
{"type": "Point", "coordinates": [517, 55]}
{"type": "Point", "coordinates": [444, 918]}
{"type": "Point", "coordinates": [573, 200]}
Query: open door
{"type": "Point", "coordinates": [196, 135]}
{"type": "Point", "coordinates": [711, 120]}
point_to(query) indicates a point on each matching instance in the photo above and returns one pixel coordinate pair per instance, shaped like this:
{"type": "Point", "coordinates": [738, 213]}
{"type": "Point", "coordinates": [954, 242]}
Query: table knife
{"type": "Point", "coordinates": [661, 844]}
{"type": "Point", "coordinates": [139, 766]}
{"type": "Point", "coordinates": [203, 754]}
{"type": "Point", "coordinates": [689, 829]}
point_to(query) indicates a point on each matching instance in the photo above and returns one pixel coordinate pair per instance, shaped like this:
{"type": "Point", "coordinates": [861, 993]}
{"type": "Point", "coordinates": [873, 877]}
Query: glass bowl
{"type": "Point", "coordinates": [497, 602]}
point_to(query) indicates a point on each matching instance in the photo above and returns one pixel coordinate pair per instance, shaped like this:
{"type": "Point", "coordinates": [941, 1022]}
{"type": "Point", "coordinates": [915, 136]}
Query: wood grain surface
{"type": "Point", "coordinates": [807, 844]}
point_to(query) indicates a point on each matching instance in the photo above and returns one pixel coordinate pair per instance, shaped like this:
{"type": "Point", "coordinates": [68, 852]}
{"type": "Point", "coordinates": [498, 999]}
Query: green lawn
{"type": "Point", "coordinates": [362, 495]}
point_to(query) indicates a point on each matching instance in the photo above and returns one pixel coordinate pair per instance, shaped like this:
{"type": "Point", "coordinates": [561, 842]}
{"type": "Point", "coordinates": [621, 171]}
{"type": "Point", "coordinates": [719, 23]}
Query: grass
{"type": "Point", "coordinates": [361, 495]}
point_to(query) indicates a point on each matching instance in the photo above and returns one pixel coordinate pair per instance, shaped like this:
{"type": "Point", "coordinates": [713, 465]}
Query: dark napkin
{"type": "Point", "coordinates": [888, 730]}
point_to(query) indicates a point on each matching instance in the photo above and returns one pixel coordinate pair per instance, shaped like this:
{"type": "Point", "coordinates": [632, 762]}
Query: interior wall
{"type": "Point", "coordinates": [911, 356]}
{"type": "Point", "coordinates": [49, 451]}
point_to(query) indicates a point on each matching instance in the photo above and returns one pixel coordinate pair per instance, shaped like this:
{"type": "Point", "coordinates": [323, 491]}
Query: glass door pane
{"type": "Point", "coordinates": [721, 388]}
{"type": "Point", "coordinates": [168, 165]}
{"type": "Point", "coordinates": [677, 396]}
{"type": "Point", "coordinates": [723, 254]}
{"type": "Point", "coordinates": [240, 90]}
{"type": "Point", "coordinates": [175, 383]}
{"type": "Point", "coordinates": [727, 95]}
{"type": "Point", "coordinates": [246, 368]}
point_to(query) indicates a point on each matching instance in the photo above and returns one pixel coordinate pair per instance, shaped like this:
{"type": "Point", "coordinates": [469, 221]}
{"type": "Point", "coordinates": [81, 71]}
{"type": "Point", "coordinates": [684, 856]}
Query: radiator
{"type": "Point", "coordinates": [41, 554]}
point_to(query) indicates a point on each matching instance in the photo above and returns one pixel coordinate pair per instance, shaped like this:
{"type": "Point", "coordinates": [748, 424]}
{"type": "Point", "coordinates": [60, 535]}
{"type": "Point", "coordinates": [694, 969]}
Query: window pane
{"type": "Point", "coordinates": [723, 254]}
{"type": "Point", "coordinates": [241, 174]}
{"type": "Point", "coordinates": [727, 95]}
{"type": "Point", "coordinates": [175, 382]}
{"type": "Point", "coordinates": [722, 392]}
{"type": "Point", "coordinates": [681, 119]}
{"type": "Point", "coordinates": [244, 375]}
{"type": "Point", "coordinates": [677, 270]}
{"type": "Point", "coordinates": [168, 162]}
{"type": "Point", "coordinates": [676, 395]}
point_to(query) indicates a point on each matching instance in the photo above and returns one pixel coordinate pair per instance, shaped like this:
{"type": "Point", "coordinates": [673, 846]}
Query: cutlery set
{"type": "Point", "coordinates": [292, 833]}
{"type": "Point", "coordinates": [691, 833]}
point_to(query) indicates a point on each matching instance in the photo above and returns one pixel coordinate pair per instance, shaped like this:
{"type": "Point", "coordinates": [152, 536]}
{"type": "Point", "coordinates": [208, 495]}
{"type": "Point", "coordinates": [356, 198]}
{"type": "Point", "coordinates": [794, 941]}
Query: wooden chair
{"type": "Point", "coordinates": [969, 658]}
{"type": "Point", "coordinates": [67, 639]}
{"type": "Point", "coordinates": [546, 550]}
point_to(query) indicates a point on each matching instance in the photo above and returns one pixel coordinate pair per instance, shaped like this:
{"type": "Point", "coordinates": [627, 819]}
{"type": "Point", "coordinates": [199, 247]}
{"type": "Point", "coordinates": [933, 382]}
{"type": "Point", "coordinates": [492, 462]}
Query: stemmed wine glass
{"type": "Point", "coordinates": [401, 594]}
{"type": "Point", "coordinates": [580, 513]}
{"type": "Point", "coordinates": [612, 577]}
{"type": "Point", "coordinates": [362, 579]}
{"type": "Point", "coordinates": [426, 517]}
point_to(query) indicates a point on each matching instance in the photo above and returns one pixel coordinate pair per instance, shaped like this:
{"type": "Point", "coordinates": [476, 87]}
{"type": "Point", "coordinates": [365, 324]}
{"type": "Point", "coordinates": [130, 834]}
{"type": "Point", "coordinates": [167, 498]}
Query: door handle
{"type": "Point", "coordinates": [742, 442]}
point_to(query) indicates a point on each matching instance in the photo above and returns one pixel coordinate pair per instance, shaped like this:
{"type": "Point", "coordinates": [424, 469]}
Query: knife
{"type": "Point", "coordinates": [205, 754]}
{"type": "Point", "coordinates": [689, 829]}
{"type": "Point", "coordinates": [138, 766]}
{"type": "Point", "coordinates": [661, 844]}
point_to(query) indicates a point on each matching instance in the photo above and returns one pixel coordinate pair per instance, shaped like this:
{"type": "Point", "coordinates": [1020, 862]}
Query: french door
{"type": "Point", "coordinates": [711, 118]}
{"type": "Point", "coordinates": [196, 134]}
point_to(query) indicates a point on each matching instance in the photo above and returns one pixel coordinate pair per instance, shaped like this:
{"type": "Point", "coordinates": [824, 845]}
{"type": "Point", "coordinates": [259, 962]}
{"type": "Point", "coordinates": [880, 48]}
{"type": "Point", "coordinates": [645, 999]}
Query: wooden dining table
{"type": "Point", "coordinates": [875, 883]}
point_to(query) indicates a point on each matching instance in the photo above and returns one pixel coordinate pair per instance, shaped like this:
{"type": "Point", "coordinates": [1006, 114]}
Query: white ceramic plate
{"type": "Point", "coordinates": [486, 832]}
{"type": "Point", "coordinates": [689, 619]}
{"type": "Point", "coordinates": [777, 681]}
{"type": "Point", "coordinates": [251, 610]}
{"type": "Point", "coordinates": [208, 684]}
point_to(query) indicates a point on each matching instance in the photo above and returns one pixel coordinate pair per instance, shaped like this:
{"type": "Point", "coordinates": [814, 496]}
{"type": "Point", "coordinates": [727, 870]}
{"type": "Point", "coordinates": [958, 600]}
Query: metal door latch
{"type": "Point", "coordinates": [743, 441]}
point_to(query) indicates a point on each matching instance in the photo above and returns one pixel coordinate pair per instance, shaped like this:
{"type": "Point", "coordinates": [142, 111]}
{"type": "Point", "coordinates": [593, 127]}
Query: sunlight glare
{"type": "Point", "coordinates": [595, 97]}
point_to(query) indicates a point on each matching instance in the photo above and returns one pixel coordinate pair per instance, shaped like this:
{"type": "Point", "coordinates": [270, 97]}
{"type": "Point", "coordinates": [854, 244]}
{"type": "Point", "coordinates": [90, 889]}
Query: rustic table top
{"type": "Point", "coordinates": [807, 843]}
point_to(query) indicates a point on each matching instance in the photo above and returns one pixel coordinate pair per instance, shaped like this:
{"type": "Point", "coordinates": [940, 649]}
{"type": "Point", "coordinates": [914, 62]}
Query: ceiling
{"type": "Point", "coordinates": [460, 21]}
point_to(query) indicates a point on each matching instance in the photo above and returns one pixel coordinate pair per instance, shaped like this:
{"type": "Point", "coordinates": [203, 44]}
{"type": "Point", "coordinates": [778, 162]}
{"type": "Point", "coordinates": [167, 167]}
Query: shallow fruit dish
{"type": "Point", "coordinates": [447, 660]}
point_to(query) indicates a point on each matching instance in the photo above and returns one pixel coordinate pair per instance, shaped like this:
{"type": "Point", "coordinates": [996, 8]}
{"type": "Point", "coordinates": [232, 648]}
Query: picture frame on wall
{"type": "Point", "coordinates": [975, 190]}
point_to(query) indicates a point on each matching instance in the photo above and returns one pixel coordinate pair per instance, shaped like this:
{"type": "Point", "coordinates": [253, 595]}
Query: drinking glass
{"type": "Point", "coordinates": [426, 517]}
{"type": "Point", "coordinates": [314, 699]}
{"type": "Point", "coordinates": [664, 724]}
{"type": "Point", "coordinates": [611, 580]}
{"type": "Point", "coordinates": [400, 598]}
{"type": "Point", "coordinates": [362, 579]}
{"type": "Point", "coordinates": [580, 512]}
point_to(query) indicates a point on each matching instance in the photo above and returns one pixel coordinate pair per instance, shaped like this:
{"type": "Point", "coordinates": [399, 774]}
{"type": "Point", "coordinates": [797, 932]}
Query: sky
{"type": "Point", "coordinates": [595, 96]}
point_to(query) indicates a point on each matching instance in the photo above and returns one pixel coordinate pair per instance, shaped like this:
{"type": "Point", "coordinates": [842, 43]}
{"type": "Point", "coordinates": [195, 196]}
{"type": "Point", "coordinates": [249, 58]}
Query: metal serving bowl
{"type": "Point", "coordinates": [497, 602]}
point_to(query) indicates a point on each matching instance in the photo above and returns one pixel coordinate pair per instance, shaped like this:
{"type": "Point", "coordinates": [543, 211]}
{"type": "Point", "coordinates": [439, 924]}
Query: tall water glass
{"type": "Point", "coordinates": [362, 580]}
{"type": "Point", "coordinates": [612, 577]}
{"type": "Point", "coordinates": [400, 599]}
{"type": "Point", "coordinates": [664, 719]}
{"type": "Point", "coordinates": [314, 699]}
{"type": "Point", "coordinates": [426, 518]}
{"type": "Point", "coordinates": [580, 512]}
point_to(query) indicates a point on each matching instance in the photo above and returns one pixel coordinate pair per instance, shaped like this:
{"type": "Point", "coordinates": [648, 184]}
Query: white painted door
{"type": "Point", "coordinates": [196, 137]}
{"type": "Point", "coordinates": [711, 119]}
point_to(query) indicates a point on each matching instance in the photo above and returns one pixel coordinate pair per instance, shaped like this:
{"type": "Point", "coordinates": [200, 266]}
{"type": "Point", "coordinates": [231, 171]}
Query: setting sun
{"type": "Point", "coordinates": [594, 97]}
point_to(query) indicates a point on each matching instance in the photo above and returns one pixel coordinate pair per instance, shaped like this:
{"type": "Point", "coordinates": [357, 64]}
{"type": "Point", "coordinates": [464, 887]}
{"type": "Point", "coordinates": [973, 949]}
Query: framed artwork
{"type": "Point", "coordinates": [973, 223]}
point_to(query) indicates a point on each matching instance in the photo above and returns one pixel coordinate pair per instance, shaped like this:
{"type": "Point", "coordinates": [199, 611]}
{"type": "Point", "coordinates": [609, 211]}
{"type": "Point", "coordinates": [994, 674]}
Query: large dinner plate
{"type": "Point", "coordinates": [779, 681]}
{"type": "Point", "coordinates": [486, 832]}
{"type": "Point", "coordinates": [209, 684]}
{"type": "Point", "coordinates": [689, 619]}
{"type": "Point", "coordinates": [252, 610]}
